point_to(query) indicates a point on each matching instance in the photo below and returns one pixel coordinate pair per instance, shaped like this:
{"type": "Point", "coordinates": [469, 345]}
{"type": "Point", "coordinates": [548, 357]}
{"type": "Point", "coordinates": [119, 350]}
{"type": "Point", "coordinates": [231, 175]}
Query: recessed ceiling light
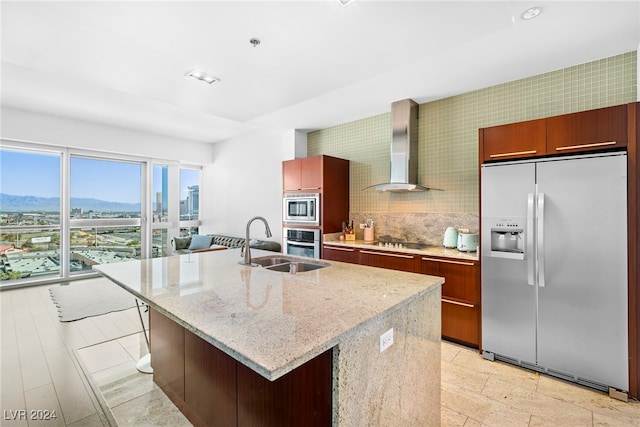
{"type": "Point", "coordinates": [201, 75]}
{"type": "Point", "coordinates": [531, 13]}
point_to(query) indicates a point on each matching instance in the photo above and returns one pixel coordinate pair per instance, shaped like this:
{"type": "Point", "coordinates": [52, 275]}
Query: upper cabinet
{"type": "Point", "coordinates": [523, 139]}
{"type": "Point", "coordinates": [601, 129]}
{"type": "Point", "coordinates": [588, 130]}
{"type": "Point", "coordinates": [303, 174]}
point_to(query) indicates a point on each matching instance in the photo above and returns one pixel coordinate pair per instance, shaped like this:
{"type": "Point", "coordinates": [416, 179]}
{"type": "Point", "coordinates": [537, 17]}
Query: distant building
{"type": "Point", "coordinates": [159, 204]}
{"type": "Point", "coordinates": [193, 200]}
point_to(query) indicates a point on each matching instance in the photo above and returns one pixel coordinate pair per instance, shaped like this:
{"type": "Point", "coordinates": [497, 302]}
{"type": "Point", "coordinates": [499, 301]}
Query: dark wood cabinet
{"type": "Point", "coordinates": [585, 131]}
{"type": "Point", "coordinates": [460, 297]}
{"type": "Point", "coordinates": [372, 258]}
{"type": "Point", "coordinates": [209, 383]}
{"type": "Point", "coordinates": [301, 398]}
{"type": "Point", "coordinates": [304, 174]}
{"type": "Point", "coordinates": [523, 139]}
{"type": "Point", "coordinates": [389, 260]}
{"type": "Point", "coordinates": [167, 350]}
{"type": "Point", "coordinates": [326, 175]}
{"type": "Point", "coordinates": [588, 130]}
{"type": "Point", "coordinates": [342, 254]}
{"type": "Point", "coordinates": [460, 292]}
{"type": "Point", "coordinates": [212, 388]}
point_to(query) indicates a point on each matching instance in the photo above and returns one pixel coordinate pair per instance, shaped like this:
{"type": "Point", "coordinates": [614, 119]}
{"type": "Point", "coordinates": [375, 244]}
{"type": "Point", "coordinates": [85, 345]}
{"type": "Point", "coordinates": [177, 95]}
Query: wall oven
{"type": "Point", "coordinates": [301, 209]}
{"type": "Point", "coordinates": [302, 242]}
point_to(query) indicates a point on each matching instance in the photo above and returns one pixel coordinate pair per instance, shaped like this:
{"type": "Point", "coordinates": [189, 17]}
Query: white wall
{"type": "Point", "coordinates": [45, 129]}
{"type": "Point", "coordinates": [242, 178]}
{"type": "Point", "coordinates": [245, 180]}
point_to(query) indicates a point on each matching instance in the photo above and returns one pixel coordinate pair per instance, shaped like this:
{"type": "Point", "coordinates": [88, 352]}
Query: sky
{"type": "Point", "coordinates": [38, 174]}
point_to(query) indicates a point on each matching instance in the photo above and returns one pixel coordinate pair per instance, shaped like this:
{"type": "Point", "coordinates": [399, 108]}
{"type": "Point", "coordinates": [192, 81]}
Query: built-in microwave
{"type": "Point", "coordinates": [301, 209]}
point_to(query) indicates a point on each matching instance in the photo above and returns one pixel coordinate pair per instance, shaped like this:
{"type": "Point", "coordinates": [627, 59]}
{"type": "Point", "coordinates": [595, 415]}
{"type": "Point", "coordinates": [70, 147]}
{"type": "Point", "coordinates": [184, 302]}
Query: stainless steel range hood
{"type": "Point", "coordinates": [404, 149]}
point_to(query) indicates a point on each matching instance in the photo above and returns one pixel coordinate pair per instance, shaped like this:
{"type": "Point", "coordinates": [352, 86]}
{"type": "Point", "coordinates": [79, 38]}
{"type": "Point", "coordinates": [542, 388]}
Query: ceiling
{"type": "Point", "coordinates": [319, 63]}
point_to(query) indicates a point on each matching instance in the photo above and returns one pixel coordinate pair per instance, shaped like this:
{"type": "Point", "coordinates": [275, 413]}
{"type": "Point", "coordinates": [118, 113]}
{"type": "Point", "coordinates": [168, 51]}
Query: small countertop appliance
{"type": "Point", "coordinates": [468, 242]}
{"type": "Point", "coordinates": [450, 237]}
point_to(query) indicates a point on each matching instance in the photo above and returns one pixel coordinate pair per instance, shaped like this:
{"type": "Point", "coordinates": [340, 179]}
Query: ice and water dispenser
{"type": "Point", "coordinates": [507, 239]}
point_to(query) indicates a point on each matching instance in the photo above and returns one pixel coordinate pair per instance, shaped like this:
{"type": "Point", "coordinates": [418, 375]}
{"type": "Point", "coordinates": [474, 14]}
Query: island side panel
{"type": "Point", "coordinates": [401, 385]}
{"type": "Point", "coordinates": [167, 356]}
{"type": "Point", "coordinates": [210, 384]}
{"type": "Point", "coordinates": [301, 397]}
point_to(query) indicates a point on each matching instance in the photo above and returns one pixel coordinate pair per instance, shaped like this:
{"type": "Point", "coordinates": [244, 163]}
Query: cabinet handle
{"type": "Point", "coordinates": [448, 262]}
{"type": "Point", "coordinates": [515, 153]}
{"type": "Point", "coordinates": [382, 253]}
{"type": "Point", "coordinates": [338, 249]}
{"type": "Point", "coordinates": [464, 304]}
{"type": "Point", "coordinates": [595, 144]}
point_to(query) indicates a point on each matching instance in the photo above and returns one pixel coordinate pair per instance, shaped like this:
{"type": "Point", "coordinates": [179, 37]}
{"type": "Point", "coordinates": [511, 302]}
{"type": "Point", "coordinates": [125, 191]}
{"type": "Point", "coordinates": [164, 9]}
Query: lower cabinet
{"type": "Point", "coordinates": [335, 253]}
{"type": "Point", "coordinates": [213, 389]}
{"type": "Point", "coordinates": [460, 292]}
{"type": "Point", "coordinates": [461, 321]}
{"type": "Point", "coordinates": [460, 297]}
{"type": "Point", "coordinates": [390, 260]}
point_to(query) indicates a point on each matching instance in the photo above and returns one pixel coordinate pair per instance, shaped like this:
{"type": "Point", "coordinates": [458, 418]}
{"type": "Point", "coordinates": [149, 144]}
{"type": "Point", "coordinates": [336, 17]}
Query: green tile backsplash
{"type": "Point", "coordinates": [448, 133]}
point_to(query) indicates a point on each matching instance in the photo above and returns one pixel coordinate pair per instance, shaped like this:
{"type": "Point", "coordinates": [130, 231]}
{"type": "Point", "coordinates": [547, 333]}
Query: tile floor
{"type": "Point", "coordinates": [57, 366]}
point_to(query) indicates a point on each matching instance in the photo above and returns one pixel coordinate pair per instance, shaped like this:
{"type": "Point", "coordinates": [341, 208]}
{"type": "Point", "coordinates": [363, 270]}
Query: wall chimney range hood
{"type": "Point", "coordinates": [404, 149]}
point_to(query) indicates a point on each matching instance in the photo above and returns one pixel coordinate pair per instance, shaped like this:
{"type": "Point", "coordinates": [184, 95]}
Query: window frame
{"type": "Point", "coordinates": [172, 226]}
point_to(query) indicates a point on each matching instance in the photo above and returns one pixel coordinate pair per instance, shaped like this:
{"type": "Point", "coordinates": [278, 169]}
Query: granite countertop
{"type": "Point", "coordinates": [272, 322]}
{"type": "Point", "coordinates": [333, 239]}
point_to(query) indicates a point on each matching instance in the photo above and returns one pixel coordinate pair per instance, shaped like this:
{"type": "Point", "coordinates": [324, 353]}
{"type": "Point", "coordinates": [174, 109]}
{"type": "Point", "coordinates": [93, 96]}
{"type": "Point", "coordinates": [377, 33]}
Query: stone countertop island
{"type": "Point", "coordinates": [275, 325]}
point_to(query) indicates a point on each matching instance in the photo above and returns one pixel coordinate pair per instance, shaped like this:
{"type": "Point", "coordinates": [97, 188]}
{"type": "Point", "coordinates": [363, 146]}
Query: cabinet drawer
{"type": "Point", "coordinates": [335, 253]}
{"type": "Point", "coordinates": [390, 260]}
{"type": "Point", "coordinates": [461, 276]}
{"type": "Point", "coordinates": [460, 321]}
{"type": "Point", "coordinates": [515, 140]}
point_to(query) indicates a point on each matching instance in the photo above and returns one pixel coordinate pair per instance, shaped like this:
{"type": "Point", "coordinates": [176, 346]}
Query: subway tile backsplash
{"type": "Point", "coordinates": [448, 140]}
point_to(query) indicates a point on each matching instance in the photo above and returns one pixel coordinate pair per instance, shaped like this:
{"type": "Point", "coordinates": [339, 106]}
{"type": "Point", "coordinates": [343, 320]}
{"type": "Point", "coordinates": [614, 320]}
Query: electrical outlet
{"type": "Point", "coordinates": [386, 340]}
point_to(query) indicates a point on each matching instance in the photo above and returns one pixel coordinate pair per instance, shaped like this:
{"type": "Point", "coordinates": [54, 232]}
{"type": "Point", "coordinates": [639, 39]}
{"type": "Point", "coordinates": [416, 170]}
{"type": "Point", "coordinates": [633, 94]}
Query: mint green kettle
{"type": "Point", "coordinates": [450, 237]}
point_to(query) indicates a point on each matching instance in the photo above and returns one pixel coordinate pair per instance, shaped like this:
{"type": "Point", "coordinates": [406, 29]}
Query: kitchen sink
{"type": "Point", "coordinates": [269, 260]}
{"type": "Point", "coordinates": [288, 264]}
{"type": "Point", "coordinates": [296, 267]}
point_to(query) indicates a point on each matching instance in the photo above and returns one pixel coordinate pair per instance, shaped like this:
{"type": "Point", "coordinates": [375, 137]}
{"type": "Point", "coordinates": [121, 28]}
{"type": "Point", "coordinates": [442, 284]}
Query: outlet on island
{"type": "Point", "coordinates": [386, 340]}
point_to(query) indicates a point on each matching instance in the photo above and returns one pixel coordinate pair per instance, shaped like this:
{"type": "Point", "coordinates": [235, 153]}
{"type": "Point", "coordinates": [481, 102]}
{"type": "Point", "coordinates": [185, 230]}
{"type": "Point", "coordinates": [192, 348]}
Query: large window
{"type": "Point", "coordinates": [105, 211]}
{"type": "Point", "coordinates": [175, 204]}
{"type": "Point", "coordinates": [63, 211]}
{"type": "Point", "coordinates": [189, 201]}
{"type": "Point", "coordinates": [29, 214]}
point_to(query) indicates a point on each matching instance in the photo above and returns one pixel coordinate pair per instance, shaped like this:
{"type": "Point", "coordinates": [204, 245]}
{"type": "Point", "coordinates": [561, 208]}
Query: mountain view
{"type": "Point", "coordinates": [11, 203]}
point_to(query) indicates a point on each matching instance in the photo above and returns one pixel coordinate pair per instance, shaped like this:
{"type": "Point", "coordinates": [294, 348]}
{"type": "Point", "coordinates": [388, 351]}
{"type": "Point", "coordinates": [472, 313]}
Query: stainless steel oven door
{"type": "Point", "coordinates": [302, 242]}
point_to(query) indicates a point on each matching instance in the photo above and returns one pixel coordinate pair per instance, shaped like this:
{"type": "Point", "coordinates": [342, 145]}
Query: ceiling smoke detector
{"type": "Point", "coordinates": [531, 13]}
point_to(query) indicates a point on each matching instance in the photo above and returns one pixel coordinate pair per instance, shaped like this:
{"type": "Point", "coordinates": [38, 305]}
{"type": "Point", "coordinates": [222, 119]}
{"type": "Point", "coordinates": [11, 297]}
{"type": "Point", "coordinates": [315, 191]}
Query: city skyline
{"type": "Point", "coordinates": [37, 174]}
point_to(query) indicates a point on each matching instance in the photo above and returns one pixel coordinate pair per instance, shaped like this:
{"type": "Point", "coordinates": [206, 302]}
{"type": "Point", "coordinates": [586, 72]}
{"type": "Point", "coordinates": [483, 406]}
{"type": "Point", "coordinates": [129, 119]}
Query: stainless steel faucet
{"type": "Point", "coordinates": [246, 250]}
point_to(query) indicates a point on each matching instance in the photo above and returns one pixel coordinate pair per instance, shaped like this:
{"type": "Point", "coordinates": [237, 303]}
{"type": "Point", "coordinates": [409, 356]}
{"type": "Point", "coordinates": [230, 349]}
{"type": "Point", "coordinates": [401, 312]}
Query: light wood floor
{"type": "Point", "coordinates": [39, 372]}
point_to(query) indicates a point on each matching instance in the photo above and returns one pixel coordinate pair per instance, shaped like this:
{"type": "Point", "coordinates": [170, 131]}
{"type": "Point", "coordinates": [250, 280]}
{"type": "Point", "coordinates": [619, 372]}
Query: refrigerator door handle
{"type": "Point", "coordinates": [541, 279]}
{"type": "Point", "coordinates": [529, 240]}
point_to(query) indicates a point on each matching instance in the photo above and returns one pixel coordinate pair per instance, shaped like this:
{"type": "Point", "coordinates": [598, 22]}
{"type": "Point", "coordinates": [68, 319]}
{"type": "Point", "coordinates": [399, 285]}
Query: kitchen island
{"type": "Point", "coordinates": [239, 345]}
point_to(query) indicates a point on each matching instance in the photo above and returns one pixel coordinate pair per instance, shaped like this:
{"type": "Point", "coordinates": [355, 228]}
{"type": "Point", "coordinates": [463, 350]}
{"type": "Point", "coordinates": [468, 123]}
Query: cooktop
{"type": "Point", "coordinates": [401, 244]}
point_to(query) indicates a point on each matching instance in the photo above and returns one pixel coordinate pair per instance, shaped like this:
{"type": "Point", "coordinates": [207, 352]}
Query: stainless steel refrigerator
{"type": "Point", "coordinates": [554, 267]}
